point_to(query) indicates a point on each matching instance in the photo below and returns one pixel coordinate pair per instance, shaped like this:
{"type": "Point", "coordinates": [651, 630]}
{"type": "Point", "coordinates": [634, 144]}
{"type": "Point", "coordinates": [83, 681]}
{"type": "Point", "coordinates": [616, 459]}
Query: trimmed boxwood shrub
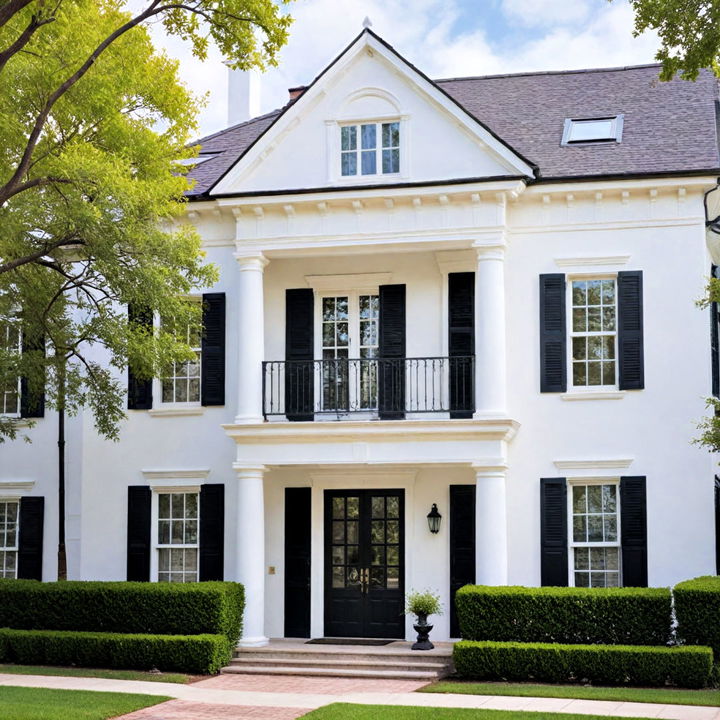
{"type": "Point", "coordinates": [215, 608]}
{"type": "Point", "coordinates": [201, 654]}
{"type": "Point", "coordinates": [602, 664]}
{"type": "Point", "coordinates": [614, 616]}
{"type": "Point", "coordinates": [697, 608]}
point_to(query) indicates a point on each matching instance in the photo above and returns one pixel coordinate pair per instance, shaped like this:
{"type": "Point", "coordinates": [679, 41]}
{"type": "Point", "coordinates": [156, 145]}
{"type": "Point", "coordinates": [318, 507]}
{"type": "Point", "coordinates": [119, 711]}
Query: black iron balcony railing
{"type": "Point", "coordinates": [387, 388]}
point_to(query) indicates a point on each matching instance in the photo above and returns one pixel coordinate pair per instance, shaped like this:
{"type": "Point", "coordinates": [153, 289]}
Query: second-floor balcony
{"type": "Point", "coordinates": [369, 387]}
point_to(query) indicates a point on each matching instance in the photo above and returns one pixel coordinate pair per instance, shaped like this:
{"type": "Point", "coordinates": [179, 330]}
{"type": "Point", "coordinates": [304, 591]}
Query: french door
{"type": "Point", "coordinates": [364, 563]}
{"type": "Point", "coordinates": [349, 332]}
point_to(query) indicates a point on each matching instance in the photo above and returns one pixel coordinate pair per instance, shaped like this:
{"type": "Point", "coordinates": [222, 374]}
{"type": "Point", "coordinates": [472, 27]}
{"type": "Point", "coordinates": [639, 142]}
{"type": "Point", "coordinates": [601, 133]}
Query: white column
{"type": "Point", "coordinates": [251, 339]}
{"type": "Point", "coordinates": [490, 527]}
{"type": "Point", "coordinates": [250, 549]}
{"type": "Point", "coordinates": [490, 390]}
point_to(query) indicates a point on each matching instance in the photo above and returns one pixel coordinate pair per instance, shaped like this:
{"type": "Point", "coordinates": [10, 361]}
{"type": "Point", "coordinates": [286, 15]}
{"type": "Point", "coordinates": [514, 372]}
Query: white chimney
{"type": "Point", "coordinates": [243, 95]}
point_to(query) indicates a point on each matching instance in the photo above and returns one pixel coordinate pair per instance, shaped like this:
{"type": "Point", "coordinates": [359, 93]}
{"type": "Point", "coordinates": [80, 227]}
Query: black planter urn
{"type": "Point", "coordinates": [423, 630]}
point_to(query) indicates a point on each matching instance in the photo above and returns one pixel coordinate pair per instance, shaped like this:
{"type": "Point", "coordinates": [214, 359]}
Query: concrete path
{"type": "Point", "coordinates": [220, 699]}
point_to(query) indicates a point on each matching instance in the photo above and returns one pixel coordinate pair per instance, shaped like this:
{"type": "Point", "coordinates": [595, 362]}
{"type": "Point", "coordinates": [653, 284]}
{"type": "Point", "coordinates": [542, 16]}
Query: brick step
{"type": "Point", "coordinates": [343, 655]}
{"type": "Point", "coordinates": [356, 662]}
{"type": "Point", "coordinates": [331, 672]}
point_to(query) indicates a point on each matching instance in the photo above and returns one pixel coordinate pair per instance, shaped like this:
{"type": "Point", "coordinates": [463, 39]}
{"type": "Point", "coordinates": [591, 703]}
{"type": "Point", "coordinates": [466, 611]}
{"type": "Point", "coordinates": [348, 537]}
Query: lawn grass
{"type": "Point", "coordinates": [670, 696]}
{"type": "Point", "coordinates": [21, 703]}
{"type": "Point", "coordinates": [346, 711]}
{"type": "Point", "coordinates": [95, 673]}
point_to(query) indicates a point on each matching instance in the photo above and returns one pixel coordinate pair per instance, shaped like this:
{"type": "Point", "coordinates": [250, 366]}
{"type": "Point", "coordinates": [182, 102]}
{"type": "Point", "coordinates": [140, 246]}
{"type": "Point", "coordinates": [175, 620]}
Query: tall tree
{"type": "Point", "coordinates": [689, 31]}
{"type": "Point", "coordinates": [93, 124]}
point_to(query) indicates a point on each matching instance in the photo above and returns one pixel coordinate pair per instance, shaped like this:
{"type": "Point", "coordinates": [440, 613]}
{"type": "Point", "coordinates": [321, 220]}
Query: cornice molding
{"type": "Point", "coordinates": [349, 281]}
{"type": "Point", "coordinates": [500, 428]}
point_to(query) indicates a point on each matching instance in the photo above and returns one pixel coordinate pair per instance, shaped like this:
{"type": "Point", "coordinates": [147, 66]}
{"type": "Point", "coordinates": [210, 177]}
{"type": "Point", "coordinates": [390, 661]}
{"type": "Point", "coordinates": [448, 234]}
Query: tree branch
{"type": "Point", "coordinates": [12, 8]}
{"type": "Point", "coordinates": [23, 39]}
{"type": "Point", "coordinates": [154, 8]}
{"type": "Point", "coordinates": [32, 257]}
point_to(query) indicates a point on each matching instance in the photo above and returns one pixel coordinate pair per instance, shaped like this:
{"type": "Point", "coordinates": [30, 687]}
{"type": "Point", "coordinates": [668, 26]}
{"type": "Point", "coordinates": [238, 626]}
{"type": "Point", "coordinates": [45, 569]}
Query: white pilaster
{"type": "Point", "coordinates": [490, 382]}
{"type": "Point", "coordinates": [490, 527]}
{"type": "Point", "coordinates": [250, 548]}
{"type": "Point", "coordinates": [251, 345]}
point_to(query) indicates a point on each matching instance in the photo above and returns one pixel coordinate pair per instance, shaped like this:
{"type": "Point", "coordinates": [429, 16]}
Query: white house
{"type": "Point", "coordinates": [476, 293]}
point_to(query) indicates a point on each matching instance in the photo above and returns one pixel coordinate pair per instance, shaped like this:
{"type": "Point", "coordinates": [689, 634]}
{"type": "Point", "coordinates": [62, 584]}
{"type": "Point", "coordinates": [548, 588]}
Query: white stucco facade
{"type": "Point", "coordinates": [461, 203]}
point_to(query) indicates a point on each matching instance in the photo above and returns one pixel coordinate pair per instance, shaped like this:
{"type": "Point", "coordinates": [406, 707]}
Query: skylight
{"type": "Point", "coordinates": [592, 130]}
{"type": "Point", "coordinates": [195, 160]}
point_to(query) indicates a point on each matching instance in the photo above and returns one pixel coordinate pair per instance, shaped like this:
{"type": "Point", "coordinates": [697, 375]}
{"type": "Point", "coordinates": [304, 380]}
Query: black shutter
{"type": "Point", "coordinates": [32, 396]}
{"type": "Point", "coordinates": [213, 349]}
{"type": "Point", "coordinates": [138, 533]}
{"type": "Point", "coordinates": [553, 360]}
{"type": "Point", "coordinates": [212, 532]}
{"type": "Point", "coordinates": [714, 342]}
{"type": "Point", "coordinates": [297, 562]}
{"type": "Point", "coordinates": [391, 366]}
{"type": "Point", "coordinates": [30, 541]}
{"type": "Point", "coordinates": [139, 391]}
{"type": "Point", "coordinates": [299, 344]}
{"type": "Point", "coordinates": [630, 330]}
{"type": "Point", "coordinates": [461, 343]}
{"type": "Point", "coordinates": [553, 532]}
{"type": "Point", "coordinates": [717, 525]}
{"type": "Point", "coordinates": [462, 545]}
{"type": "Point", "coordinates": [633, 531]}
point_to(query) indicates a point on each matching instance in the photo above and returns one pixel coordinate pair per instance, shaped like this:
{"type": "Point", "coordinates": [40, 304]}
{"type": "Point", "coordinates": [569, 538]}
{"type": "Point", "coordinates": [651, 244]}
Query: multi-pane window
{"type": "Point", "coordinates": [335, 351]}
{"type": "Point", "coordinates": [178, 536]}
{"type": "Point", "coordinates": [9, 521]}
{"type": "Point", "coordinates": [182, 383]}
{"type": "Point", "coordinates": [350, 321]}
{"type": "Point", "coordinates": [10, 391]}
{"type": "Point", "coordinates": [369, 318]}
{"type": "Point", "coordinates": [593, 321]}
{"type": "Point", "coordinates": [370, 149]}
{"type": "Point", "coordinates": [595, 537]}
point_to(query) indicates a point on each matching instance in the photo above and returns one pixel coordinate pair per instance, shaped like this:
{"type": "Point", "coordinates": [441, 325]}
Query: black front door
{"type": "Point", "coordinates": [364, 563]}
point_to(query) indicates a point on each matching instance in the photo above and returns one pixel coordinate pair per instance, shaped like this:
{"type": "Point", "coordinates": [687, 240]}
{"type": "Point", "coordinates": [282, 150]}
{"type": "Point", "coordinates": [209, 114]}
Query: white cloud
{"type": "Point", "coordinates": [425, 32]}
{"type": "Point", "coordinates": [533, 13]}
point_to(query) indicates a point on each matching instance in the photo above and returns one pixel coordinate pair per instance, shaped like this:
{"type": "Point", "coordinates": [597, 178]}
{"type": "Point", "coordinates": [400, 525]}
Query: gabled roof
{"type": "Point", "coordinates": [669, 127]}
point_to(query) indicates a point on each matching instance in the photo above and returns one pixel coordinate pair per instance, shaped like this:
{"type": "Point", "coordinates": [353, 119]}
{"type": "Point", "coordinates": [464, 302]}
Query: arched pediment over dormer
{"type": "Point", "coordinates": [400, 125]}
{"type": "Point", "coordinates": [369, 102]}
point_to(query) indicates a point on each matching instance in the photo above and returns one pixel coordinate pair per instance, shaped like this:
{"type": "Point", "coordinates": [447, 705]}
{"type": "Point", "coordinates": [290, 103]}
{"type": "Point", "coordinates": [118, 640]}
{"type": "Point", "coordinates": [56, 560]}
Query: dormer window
{"type": "Point", "coordinates": [370, 149]}
{"type": "Point", "coordinates": [592, 130]}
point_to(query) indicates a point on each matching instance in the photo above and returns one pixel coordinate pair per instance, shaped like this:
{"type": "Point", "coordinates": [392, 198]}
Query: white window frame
{"type": "Point", "coordinates": [180, 486]}
{"type": "Point", "coordinates": [5, 329]}
{"type": "Point", "coordinates": [378, 148]}
{"type": "Point", "coordinates": [333, 150]}
{"type": "Point", "coordinates": [353, 297]}
{"type": "Point", "coordinates": [572, 545]}
{"type": "Point", "coordinates": [615, 134]}
{"type": "Point", "coordinates": [158, 382]}
{"type": "Point", "coordinates": [10, 548]}
{"type": "Point", "coordinates": [571, 387]}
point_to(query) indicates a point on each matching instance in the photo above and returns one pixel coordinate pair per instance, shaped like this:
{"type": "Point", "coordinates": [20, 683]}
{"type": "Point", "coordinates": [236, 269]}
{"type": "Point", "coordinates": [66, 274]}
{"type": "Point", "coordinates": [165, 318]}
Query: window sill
{"type": "Point", "coordinates": [177, 411]}
{"type": "Point", "coordinates": [596, 395]}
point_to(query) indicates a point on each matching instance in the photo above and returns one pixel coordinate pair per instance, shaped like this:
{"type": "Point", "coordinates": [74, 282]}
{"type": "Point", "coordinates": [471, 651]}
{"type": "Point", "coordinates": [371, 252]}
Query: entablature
{"type": "Point", "coordinates": [438, 441]}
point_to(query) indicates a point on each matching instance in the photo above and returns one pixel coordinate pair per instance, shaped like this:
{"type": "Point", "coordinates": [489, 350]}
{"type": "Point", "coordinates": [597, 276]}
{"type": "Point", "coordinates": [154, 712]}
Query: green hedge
{"type": "Point", "coordinates": [613, 616]}
{"type": "Point", "coordinates": [213, 608]}
{"type": "Point", "coordinates": [201, 654]}
{"type": "Point", "coordinates": [697, 608]}
{"type": "Point", "coordinates": [601, 664]}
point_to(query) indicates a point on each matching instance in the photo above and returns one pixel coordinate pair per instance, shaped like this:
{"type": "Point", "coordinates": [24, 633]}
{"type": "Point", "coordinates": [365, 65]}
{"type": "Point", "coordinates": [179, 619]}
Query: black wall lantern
{"type": "Point", "coordinates": [434, 518]}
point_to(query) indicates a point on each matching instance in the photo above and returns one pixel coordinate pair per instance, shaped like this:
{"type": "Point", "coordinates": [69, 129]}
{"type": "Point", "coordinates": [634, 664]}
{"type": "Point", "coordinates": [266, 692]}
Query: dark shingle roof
{"type": "Point", "coordinates": [229, 144]}
{"type": "Point", "coordinates": [669, 127]}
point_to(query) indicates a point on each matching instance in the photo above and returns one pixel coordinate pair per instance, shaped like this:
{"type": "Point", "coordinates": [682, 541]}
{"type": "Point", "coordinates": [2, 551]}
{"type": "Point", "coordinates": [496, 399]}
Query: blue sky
{"type": "Point", "coordinates": [444, 38]}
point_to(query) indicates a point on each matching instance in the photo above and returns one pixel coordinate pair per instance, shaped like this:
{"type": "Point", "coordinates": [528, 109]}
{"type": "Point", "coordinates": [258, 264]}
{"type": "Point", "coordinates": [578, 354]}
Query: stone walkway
{"type": "Point", "coordinates": [258, 697]}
